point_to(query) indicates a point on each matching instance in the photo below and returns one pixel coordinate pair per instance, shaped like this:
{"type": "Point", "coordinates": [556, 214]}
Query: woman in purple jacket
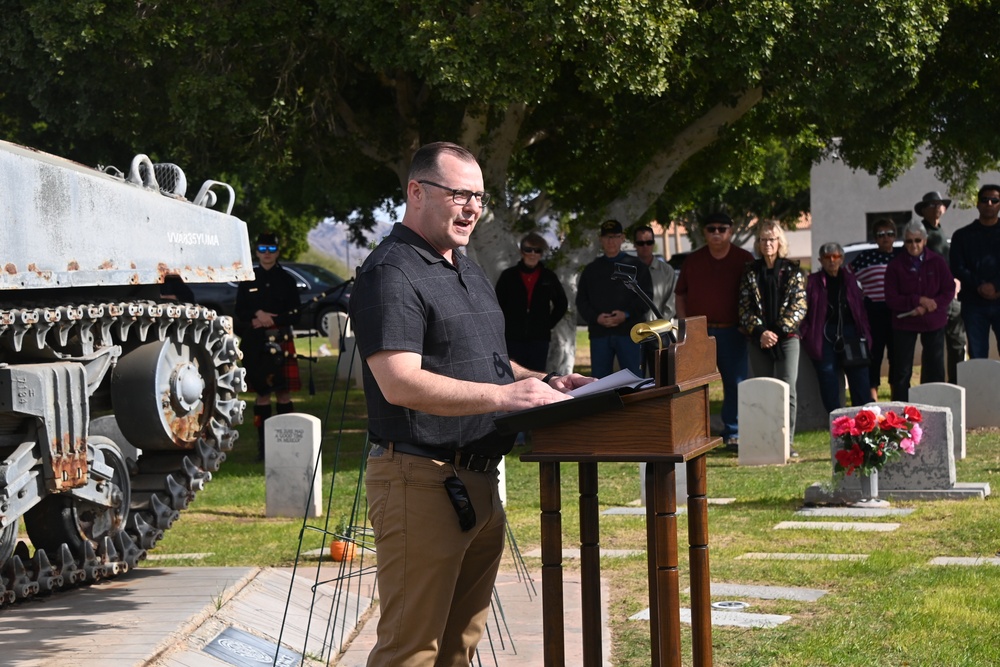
{"type": "Point", "coordinates": [918, 288]}
{"type": "Point", "coordinates": [835, 312]}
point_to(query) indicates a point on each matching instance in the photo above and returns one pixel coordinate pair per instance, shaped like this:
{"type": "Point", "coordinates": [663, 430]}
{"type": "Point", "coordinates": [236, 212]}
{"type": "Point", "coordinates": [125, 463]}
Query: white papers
{"type": "Point", "coordinates": [907, 314]}
{"type": "Point", "coordinates": [623, 378]}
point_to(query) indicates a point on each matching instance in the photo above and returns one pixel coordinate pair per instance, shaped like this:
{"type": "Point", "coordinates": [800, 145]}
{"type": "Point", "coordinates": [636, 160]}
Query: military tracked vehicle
{"type": "Point", "coordinates": [117, 403]}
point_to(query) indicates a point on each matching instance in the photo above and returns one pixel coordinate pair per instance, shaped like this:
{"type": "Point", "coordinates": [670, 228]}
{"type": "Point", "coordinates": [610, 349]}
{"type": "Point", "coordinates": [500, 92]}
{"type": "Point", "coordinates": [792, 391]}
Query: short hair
{"type": "Point", "coordinates": [987, 188]}
{"type": "Point", "coordinates": [774, 226]}
{"type": "Point", "coordinates": [830, 248]}
{"type": "Point", "coordinates": [884, 223]}
{"type": "Point", "coordinates": [536, 240]}
{"type": "Point", "coordinates": [425, 160]}
{"type": "Point", "coordinates": [915, 227]}
{"type": "Point", "coordinates": [640, 229]}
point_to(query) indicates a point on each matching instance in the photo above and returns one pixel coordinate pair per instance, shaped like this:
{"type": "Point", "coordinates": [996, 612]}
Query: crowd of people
{"type": "Point", "coordinates": [763, 310]}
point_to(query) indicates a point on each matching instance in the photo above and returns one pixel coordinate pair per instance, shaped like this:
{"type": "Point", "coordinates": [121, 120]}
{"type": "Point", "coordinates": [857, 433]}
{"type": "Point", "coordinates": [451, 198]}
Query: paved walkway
{"type": "Point", "coordinates": [219, 617]}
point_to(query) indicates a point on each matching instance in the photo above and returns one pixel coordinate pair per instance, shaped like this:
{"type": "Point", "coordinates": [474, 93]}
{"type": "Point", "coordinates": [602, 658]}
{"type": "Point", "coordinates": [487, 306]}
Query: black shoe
{"type": "Point", "coordinates": [733, 444]}
{"type": "Point", "coordinates": [793, 453]}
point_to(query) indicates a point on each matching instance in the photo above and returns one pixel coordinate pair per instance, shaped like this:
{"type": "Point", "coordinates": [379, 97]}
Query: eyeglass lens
{"type": "Point", "coordinates": [768, 239]}
{"type": "Point", "coordinates": [649, 242]}
{"type": "Point", "coordinates": [716, 229]}
{"type": "Point", "coordinates": [989, 200]}
{"type": "Point", "coordinates": [461, 197]}
{"type": "Point", "coordinates": [267, 248]}
{"type": "Point", "coordinates": [833, 256]}
{"type": "Point", "coordinates": [530, 250]}
{"type": "Point", "coordinates": [913, 241]}
{"type": "Point", "coordinates": [883, 234]}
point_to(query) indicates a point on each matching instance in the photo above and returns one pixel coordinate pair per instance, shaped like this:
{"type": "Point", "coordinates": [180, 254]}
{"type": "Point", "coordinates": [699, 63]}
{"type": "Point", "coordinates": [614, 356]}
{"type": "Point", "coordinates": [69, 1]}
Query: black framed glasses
{"type": "Point", "coordinates": [529, 250]}
{"type": "Point", "coordinates": [885, 233]}
{"type": "Point", "coordinates": [461, 197]}
{"type": "Point", "coordinates": [649, 242]}
{"type": "Point", "coordinates": [989, 200]}
{"type": "Point", "coordinates": [913, 241]}
{"type": "Point", "coordinates": [267, 248]}
{"type": "Point", "coordinates": [716, 229]}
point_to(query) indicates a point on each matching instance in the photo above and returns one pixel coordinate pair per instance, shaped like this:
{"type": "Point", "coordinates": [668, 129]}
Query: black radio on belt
{"type": "Point", "coordinates": [460, 500]}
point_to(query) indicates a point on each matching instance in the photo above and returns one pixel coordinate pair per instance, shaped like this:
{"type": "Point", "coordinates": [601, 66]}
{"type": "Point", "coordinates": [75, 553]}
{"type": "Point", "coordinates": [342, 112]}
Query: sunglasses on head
{"type": "Point", "coordinates": [649, 242]}
{"type": "Point", "coordinates": [885, 233]}
{"type": "Point", "coordinates": [267, 248]}
{"type": "Point", "coordinates": [530, 250]}
{"type": "Point", "coordinates": [989, 200]}
{"type": "Point", "coordinates": [716, 229]}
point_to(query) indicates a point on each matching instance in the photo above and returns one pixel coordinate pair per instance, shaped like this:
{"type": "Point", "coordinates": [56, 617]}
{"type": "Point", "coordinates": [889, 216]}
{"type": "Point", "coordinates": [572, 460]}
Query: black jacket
{"type": "Point", "coordinates": [534, 321]}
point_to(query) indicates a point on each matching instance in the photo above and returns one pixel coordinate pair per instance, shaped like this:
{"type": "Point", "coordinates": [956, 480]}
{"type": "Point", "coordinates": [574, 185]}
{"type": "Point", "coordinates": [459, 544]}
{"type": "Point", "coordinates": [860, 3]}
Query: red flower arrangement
{"type": "Point", "coordinates": [871, 439]}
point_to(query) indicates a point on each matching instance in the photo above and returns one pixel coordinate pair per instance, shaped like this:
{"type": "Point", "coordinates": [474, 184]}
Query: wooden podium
{"type": "Point", "coordinates": [663, 425]}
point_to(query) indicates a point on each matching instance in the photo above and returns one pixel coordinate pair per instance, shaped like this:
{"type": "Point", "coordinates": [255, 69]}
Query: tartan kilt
{"type": "Point", "coordinates": [262, 380]}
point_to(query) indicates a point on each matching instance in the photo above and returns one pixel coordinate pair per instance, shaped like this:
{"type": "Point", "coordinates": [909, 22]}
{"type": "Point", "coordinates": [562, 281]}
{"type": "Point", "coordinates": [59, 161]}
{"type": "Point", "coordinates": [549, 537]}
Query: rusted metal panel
{"type": "Point", "coordinates": [66, 225]}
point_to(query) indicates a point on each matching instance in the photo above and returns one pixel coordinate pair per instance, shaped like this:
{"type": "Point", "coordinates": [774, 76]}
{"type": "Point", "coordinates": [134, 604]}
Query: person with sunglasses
{"type": "Point", "coordinates": [974, 260]}
{"type": "Point", "coordinates": [835, 312]}
{"type": "Point", "coordinates": [869, 267]}
{"type": "Point", "coordinates": [533, 301]}
{"type": "Point", "coordinates": [931, 209]}
{"type": "Point", "coordinates": [267, 309]}
{"type": "Point", "coordinates": [709, 285]}
{"type": "Point", "coordinates": [662, 274]}
{"type": "Point", "coordinates": [918, 289]}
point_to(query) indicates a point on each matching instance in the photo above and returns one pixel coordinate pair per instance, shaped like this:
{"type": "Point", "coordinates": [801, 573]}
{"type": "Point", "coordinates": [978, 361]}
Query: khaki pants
{"type": "Point", "coordinates": [434, 581]}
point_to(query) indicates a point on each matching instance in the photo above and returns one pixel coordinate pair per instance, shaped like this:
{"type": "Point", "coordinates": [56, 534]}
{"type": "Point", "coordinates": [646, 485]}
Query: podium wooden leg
{"type": "Point", "coordinates": [590, 566]}
{"type": "Point", "coordinates": [553, 629]}
{"type": "Point", "coordinates": [701, 606]}
{"type": "Point", "coordinates": [664, 582]}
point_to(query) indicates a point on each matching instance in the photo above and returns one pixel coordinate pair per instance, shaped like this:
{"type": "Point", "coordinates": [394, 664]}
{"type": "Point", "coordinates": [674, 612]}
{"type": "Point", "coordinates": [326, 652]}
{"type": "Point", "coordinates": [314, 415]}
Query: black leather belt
{"type": "Point", "coordinates": [466, 460]}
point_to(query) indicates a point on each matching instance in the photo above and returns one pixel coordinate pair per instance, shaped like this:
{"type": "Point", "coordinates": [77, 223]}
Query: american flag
{"type": "Point", "coordinates": [869, 267]}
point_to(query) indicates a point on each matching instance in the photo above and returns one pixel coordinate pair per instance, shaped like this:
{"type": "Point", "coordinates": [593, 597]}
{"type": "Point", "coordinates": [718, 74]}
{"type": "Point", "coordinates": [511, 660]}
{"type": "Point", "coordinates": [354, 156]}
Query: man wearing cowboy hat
{"type": "Point", "coordinates": [931, 207]}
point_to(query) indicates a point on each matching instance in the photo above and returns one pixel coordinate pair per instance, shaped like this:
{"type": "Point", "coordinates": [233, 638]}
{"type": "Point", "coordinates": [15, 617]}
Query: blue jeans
{"type": "Point", "coordinates": [603, 350]}
{"type": "Point", "coordinates": [979, 319]}
{"type": "Point", "coordinates": [731, 359]}
{"type": "Point", "coordinates": [827, 373]}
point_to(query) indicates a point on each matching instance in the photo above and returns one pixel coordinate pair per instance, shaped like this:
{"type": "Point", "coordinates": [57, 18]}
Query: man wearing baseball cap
{"type": "Point", "coordinates": [609, 308]}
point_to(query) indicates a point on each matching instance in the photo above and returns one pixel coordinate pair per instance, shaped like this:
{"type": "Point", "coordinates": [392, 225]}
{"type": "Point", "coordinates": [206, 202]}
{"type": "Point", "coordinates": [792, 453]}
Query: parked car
{"type": "Point", "coordinates": [322, 292]}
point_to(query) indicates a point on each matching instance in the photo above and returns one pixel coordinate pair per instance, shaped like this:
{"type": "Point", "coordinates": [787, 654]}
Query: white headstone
{"type": "Point", "coordinates": [291, 455]}
{"type": "Point", "coordinates": [949, 396]}
{"type": "Point", "coordinates": [764, 426]}
{"type": "Point", "coordinates": [342, 339]}
{"type": "Point", "coordinates": [981, 377]}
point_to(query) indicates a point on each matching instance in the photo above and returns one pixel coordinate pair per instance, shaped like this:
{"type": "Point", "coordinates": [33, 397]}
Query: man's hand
{"type": "Point", "coordinates": [529, 393]}
{"type": "Point", "coordinates": [263, 320]}
{"type": "Point", "coordinates": [570, 382]}
{"type": "Point", "coordinates": [928, 304]}
{"type": "Point", "coordinates": [988, 291]}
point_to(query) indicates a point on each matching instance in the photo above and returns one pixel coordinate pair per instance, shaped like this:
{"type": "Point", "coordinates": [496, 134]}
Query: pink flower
{"type": "Point", "coordinates": [842, 426]}
{"type": "Point", "coordinates": [907, 445]}
{"type": "Point", "coordinates": [916, 434]}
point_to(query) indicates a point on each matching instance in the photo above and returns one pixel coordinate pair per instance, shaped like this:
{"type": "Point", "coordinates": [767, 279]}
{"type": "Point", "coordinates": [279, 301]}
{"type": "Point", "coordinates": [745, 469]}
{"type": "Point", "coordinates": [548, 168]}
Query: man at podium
{"type": "Point", "coordinates": [436, 372]}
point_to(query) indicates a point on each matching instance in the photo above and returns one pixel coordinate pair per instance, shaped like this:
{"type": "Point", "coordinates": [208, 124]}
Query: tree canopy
{"type": "Point", "coordinates": [578, 109]}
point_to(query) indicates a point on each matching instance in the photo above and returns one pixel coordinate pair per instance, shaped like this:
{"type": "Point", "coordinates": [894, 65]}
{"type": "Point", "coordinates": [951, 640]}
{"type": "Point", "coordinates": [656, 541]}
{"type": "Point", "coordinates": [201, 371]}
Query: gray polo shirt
{"type": "Point", "coordinates": [407, 297]}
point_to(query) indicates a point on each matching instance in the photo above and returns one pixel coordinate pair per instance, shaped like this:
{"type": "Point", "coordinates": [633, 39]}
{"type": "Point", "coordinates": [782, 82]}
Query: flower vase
{"type": "Point", "coordinates": [869, 486]}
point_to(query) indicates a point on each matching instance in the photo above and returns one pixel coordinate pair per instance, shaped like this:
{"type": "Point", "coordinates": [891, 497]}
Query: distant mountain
{"type": "Point", "coordinates": [330, 238]}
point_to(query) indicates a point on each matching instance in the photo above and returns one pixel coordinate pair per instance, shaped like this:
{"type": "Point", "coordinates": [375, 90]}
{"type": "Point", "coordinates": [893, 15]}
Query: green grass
{"type": "Point", "coordinates": [891, 610]}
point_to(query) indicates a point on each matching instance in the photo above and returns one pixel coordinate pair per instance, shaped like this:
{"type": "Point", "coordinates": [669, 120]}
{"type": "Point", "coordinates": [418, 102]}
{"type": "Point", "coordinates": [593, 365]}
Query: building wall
{"type": "Point", "coordinates": [845, 201]}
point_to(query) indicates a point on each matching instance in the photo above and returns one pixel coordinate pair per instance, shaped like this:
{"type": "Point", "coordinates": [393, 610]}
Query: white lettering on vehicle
{"type": "Point", "coordinates": [193, 238]}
